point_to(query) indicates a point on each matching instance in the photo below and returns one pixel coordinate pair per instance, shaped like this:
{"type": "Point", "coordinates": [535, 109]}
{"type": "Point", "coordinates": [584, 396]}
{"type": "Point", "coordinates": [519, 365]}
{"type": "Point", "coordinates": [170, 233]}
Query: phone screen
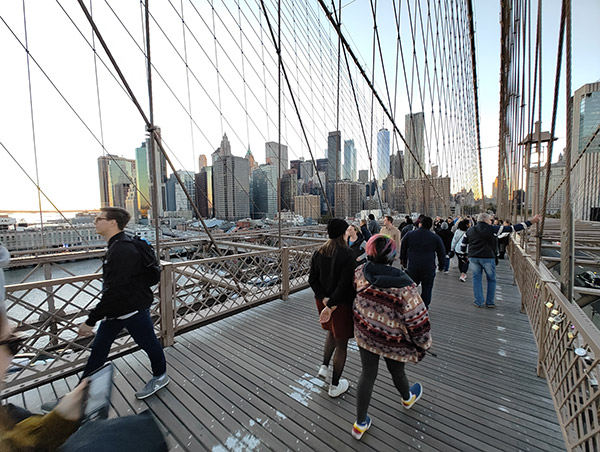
{"type": "Point", "coordinates": [98, 393]}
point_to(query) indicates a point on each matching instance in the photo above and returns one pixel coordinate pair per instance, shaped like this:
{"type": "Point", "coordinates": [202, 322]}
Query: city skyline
{"type": "Point", "coordinates": [75, 144]}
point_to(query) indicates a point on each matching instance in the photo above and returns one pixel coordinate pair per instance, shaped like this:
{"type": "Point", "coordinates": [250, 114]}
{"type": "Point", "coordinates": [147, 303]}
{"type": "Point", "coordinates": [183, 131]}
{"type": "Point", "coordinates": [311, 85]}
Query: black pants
{"type": "Point", "coordinates": [425, 278]}
{"type": "Point", "coordinates": [463, 263]}
{"type": "Point", "coordinates": [370, 367]}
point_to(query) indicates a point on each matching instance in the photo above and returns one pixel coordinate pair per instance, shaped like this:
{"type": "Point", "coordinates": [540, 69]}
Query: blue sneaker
{"type": "Point", "coordinates": [358, 430]}
{"type": "Point", "coordinates": [416, 391]}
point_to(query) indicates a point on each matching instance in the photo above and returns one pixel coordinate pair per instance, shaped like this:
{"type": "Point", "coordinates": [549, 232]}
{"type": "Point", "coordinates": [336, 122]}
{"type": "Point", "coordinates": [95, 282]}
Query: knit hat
{"type": "Point", "coordinates": [444, 225]}
{"type": "Point", "coordinates": [336, 227]}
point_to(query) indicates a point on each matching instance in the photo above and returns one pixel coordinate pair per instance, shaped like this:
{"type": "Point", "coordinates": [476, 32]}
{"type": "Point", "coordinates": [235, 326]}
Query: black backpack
{"type": "Point", "coordinates": [151, 264]}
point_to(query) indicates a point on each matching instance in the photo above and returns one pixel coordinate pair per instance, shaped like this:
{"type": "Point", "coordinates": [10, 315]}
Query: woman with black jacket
{"type": "Point", "coordinates": [356, 243]}
{"type": "Point", "coordinates": [331, 278]}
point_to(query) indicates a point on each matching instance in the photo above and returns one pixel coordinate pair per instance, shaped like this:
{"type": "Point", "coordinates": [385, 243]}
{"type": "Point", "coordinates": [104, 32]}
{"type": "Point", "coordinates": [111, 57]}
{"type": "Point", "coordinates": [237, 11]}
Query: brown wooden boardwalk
{"type": "Point", "coordinates": [247, 383]}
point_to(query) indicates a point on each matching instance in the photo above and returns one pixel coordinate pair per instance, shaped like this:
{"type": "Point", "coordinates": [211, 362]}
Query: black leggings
{"type": "Point", "coordinates": [370, 366]}
{"type": "Point", "coordinates": [463, 263]}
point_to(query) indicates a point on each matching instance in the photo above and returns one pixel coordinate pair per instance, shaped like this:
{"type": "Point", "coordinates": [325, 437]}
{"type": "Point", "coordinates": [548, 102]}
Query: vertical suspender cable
{"type": "Point", "coordinates": [279, 119]}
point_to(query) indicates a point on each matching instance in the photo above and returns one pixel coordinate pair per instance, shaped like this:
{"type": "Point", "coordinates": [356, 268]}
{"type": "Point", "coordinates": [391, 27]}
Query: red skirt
{"type": "Point", "coordinates": [341, 323]}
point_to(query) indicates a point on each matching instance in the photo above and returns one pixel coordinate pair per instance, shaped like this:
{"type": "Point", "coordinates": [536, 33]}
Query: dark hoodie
{"type": "Point", "coordinates": [386, 276]}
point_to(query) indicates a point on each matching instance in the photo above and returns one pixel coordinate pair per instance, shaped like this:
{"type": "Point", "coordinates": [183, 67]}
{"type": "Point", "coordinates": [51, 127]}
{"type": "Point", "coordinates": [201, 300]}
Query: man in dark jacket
{"type": "Point", "coordinates": [446, 235]}
{"type": "Point", "coordinates": [374, 226]}
{"type": "Point", "coordinates": [124, 302]}
{"type": "Point", "coordinates": [480, 241]}
{"type": "Point", "coordinates": [419, 248]}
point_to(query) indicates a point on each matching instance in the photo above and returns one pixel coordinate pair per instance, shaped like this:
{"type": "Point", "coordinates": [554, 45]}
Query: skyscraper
{"type": "Point", "coordinates": [232, 186]}
{"type": "Point", "coordinates": [176, 197]}
{"type": "Point", "coordinates": [334, 155]}
{"type": "Point", "coordinates": [204, 192]}
{"type": "Point", "coordinates": [142, 171]}
{"type": "Point", "coordinates": [118, 183]}
{"type": "Point", "coordinates": [264, 191]}
{"type": "Point", "coordinates": [349, 171]}
{"type": "Point", "coordinates": [414, 131]}
{"type": "Point", "coordinates": [161, 176]}
{"type": "Point", "coordinates": [272, 154]}
{"type": "Point", "coordinates": [289, 189]}
{"type": "Point", "coordinates": [202, 161]}
{"type": "Point", "coordinates": [586, 175]}
{"type": "Point", "coordinates": [383, 154]}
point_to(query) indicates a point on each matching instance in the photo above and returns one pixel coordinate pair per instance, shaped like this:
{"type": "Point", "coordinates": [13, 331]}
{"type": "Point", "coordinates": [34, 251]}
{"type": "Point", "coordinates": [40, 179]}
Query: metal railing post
{"type": "Point", "coordinates": [166, 305]}
{"type": "Point", "coordinates": [285, 273]}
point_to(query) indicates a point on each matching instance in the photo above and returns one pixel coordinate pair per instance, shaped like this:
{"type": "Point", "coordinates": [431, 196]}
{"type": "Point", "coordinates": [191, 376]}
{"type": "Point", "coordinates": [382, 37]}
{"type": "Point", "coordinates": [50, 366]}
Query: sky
{"type": "Point", "coordinates": [68, 138]}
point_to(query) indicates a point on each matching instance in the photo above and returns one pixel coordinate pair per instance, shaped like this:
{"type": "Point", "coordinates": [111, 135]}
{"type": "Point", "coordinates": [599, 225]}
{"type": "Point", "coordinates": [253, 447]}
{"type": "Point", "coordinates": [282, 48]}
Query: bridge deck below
{"type": "Point", "coordinates": [248, 383]}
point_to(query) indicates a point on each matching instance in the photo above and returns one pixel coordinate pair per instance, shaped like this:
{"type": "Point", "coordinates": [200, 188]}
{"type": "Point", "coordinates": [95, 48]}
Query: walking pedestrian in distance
{"type": "Point", "coordinates": [390, 320]}
{"type": "Point", "coordinates": [481, 241]}
{"type": "Point", "coordinates": [446, 235]}
{"type": "Point", "coordinates": [390, 230]}
{"type": "Point", "coordinates": [418, 253]}
{"type": "Point", "coordinates": [407, 228]}
{"type": "Point", "coordinates": [462, 257]}
{"type": "Point", "coordinates": [331, 272]}
{"type": "Point", "coordinates": [374, 226]}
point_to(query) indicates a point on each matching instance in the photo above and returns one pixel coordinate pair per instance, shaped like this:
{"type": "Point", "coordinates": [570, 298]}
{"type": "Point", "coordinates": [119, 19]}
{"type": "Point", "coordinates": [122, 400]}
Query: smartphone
{"type": "Point", "coordinates": [98, 392]}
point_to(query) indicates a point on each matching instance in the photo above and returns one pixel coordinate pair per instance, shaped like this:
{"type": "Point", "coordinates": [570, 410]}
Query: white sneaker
{"type": "Point", "coordinates": [336, 391]}
{"type": "Point", "coordinates": [323, 371]}
{"type": "Point", "coordinates": [463, 277]}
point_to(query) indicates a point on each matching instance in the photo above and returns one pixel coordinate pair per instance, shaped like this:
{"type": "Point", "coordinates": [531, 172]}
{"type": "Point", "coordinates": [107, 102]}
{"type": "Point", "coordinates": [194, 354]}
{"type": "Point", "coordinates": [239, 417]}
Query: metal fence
{"type": "Point", "coordinates": [191, 292]}
{"type": "Point", "coordinates": [568, 351]}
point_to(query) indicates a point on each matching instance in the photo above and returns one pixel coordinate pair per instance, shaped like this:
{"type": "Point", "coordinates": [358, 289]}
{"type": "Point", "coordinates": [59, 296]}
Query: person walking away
{"type": "Point", "coordinates": [406, 229]}
{"type": "Point", "coordinates": [374, 227]}
{"type": "Point", "coordinates": [463, 259]}
{"type": "Point", "coordinates": [390, 230]}
{"type": "Point", "coordinates": [356, 243]}
{"type": "Point", "coordinates": [331, 272]}
{"type": "Point", "coordinates": [365, 230]}
{"type": "Point", "coordinates": [446, 235]}
{"type": "Point", "coordinates": [503, 239]}
{"type": "Point", "coordinates": [390, 320]}
{"type": "Point", "coordinates": [418, 253]}
{"type": "Point", "coordinates": [481, 243]}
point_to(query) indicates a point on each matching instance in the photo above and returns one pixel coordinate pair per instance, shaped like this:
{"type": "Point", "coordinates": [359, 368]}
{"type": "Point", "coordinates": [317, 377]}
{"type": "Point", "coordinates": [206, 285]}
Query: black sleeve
{"type": "Point", "coordinates": [314, 278]}
{"type": "Point", "coordinates": [441, 253]}
{"type": "Point", "coordinates": [344, 290]}
{"type": "Point", "coordinates": [122, 263]}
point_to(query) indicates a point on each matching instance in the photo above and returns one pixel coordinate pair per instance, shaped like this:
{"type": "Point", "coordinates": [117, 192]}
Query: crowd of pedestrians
{"type": "Point", "coordinates": [360, 293]}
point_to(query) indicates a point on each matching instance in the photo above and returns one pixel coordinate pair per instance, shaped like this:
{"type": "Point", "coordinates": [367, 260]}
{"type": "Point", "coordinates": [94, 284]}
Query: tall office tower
{"type": "Point", "coordinates": [118, 183]}
{"type": "Point", "coordinates": [232, 188]}
{"type": "Point", "coordinates": [349, 171]}
{"type": "Point", "coordinates": [202, 162]}
{"type": "Point", "coordinates": [363, 176]}
{"type": "Point", "coordinates": [396, 165]}
{"type": "Point", "coordinates": [383, 154]}
{"type": "Point", "coordinates": [289, 189]}
{"type": "Point", "coordinates": [176, 197]}
{"type": "Point", "coordinates": [264, 191]}
{"type": "Point", "coordinates": [161, 177]}
{"type": "Point", "coordinates": [204, 192]}
{"type": "Point", "coordinates": [322, 165]}
{"type": "Point", "coordinates": [272, 154]}
{"type": "Point", "coordinates": [143, 180]}
{"type": "Point", "coordinates": [586, 175]}
{"type": "Point", "coordinates": [306, 171]}
{"type": "Point", "coordinates": [309, 206]}
{"type": "Point", "coordinates": [295, 164]}
{"type": "Point", "coordinates": [334, 155]}
{"type": "Point", "coordinates": [348, 198]}
{"type": "Point", "coordinates": [252, 165]}
{"type": "Point", "coordinates": [414, 131]}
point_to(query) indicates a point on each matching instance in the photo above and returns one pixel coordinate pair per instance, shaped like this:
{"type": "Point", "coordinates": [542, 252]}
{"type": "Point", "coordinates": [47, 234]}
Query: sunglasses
{"type": "Point", "coordinates": [14, 343]}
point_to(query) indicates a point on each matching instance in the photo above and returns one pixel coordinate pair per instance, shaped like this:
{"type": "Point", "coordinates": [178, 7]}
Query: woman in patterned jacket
{"type": "Point", "coordinates": [390, 320]}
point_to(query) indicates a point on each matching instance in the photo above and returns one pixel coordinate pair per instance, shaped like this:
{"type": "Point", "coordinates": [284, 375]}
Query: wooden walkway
{"type": "Point", "coordinates": [248, 383]}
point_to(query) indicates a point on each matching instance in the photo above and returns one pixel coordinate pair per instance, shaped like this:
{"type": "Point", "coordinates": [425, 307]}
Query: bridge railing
{"type": "Point", "coordinates": [568, 351]}
{"type": "Point", "coordinates": [191, 292]}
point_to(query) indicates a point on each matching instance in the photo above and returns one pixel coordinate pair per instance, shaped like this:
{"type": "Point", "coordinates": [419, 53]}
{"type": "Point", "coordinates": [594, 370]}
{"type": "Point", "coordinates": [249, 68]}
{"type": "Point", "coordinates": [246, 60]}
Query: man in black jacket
{"type": "Point", "coordinates": [480, 241]}
{"type": "Point", "coordinates": [124, 302]}
{"type": "Point", "coordinates": [420, 247]}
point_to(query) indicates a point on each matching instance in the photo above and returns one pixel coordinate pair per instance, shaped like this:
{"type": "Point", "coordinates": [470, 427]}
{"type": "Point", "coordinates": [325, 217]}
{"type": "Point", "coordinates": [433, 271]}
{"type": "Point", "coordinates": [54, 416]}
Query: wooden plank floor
{"type": "Point", "coordinates": [248, 383]}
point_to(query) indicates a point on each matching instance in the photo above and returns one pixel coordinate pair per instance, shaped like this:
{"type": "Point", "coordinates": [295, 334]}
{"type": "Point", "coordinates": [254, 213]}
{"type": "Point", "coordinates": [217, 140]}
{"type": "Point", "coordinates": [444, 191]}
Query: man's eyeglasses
{"type": "Point", "coordinates": [99, 218]}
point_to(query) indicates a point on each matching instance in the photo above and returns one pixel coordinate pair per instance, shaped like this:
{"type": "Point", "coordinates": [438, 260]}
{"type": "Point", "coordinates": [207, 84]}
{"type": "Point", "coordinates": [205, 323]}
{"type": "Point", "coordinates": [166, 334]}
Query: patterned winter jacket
{"type": "Point", "coordinates": [390, 319]}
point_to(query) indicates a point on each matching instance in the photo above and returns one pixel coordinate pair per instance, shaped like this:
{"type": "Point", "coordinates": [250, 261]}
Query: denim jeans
{"type": "Point", "coordinates": [447, 264]}
{"type": "Point", "coordinates": [480, 265]}
{"type": "Point", "coordinates": [142, 331]}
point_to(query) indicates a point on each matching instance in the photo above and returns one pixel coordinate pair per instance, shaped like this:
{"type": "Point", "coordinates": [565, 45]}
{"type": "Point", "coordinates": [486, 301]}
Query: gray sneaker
{"type": "Point", "coordinates": [155, 384]}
